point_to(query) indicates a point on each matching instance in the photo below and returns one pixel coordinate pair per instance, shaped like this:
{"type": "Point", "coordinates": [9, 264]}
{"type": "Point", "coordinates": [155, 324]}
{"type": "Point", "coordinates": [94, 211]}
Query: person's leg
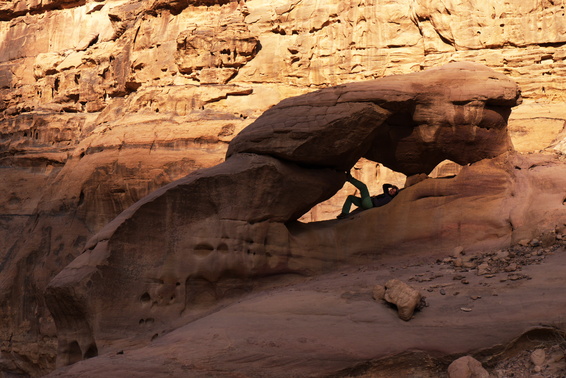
{"type": "Point", "coordinates": [348, 204]}
{"type": "Point", "coordinates": [365, 201]}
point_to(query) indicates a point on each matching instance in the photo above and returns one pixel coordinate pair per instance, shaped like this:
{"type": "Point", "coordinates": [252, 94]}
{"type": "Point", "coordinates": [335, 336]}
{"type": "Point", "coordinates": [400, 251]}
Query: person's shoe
{"type": "Point", "coordinates": [341, 216]}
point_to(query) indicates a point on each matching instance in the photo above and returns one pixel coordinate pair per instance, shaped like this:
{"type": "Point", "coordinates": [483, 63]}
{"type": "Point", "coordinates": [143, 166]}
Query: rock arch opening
{"type": "Point", "coordinates": [373, 174]}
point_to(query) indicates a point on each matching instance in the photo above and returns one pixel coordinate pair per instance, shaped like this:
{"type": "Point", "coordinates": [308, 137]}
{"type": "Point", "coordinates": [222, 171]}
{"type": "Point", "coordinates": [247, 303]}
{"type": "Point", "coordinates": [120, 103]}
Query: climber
{"type": "Point", "coordinates": [366, 201]}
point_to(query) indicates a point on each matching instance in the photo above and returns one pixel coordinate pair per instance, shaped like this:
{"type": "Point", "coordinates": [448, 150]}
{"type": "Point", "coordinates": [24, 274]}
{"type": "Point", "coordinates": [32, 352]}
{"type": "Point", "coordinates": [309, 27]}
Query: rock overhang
{"type": "Point", "coordinates": [409, 123]}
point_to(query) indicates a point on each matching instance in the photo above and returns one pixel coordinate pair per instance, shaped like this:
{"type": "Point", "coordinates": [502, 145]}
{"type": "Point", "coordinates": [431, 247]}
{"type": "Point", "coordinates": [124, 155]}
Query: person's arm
{"type": "Point", "coordinates": [387, 188]}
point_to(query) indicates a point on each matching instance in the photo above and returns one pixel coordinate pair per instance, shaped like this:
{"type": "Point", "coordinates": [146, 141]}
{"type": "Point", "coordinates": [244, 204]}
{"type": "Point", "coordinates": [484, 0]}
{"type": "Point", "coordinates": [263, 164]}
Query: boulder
{"type": "Point", "coordinates": [538, 356]}
{"type": "Point", "coordinates": [467, 367]}
{"type": "Point", "coordinates": [403, 296]}
{"type": "Point", "coordinates": [483, 269]}
{"type": "Point", "coordinates": [378, 292]}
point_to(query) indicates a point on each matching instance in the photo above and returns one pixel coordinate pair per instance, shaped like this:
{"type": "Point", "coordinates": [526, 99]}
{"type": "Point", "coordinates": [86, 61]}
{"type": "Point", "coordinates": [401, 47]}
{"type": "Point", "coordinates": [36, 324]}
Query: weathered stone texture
{"type": "Point", "coordinates": [209, 228]}
{"type": "Point", "coordinates": [214, 55]}
{"type": "Point", "coordinates": [104, 102]}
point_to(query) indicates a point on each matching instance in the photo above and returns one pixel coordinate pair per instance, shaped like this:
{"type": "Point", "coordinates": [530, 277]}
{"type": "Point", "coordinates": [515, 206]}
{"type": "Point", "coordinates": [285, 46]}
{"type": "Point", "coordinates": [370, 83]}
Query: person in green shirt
{"type": "Point", "coordinates": [365, 201]}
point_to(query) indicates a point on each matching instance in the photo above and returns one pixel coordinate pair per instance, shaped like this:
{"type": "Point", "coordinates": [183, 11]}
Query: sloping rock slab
{"type": "Point", "coordinates": [329, 323]}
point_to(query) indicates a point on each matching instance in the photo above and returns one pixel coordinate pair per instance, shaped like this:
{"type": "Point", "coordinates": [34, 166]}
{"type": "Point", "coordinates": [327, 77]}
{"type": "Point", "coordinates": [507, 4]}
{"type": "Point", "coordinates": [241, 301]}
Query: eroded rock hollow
{"type": "Point", "coordinates": [203, 237]}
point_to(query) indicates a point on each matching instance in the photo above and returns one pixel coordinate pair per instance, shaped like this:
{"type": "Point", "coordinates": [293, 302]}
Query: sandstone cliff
{"type": "Point", "coordinates": [105, 102]}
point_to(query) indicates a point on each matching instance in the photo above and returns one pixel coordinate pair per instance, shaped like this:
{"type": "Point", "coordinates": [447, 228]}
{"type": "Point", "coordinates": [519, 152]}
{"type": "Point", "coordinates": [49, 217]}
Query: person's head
{"type": "Point", "coordinates": [393, 190]}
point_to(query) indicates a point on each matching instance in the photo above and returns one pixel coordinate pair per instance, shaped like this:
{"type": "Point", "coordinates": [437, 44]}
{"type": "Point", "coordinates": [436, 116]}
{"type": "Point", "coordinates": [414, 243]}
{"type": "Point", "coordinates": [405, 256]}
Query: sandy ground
{"type": "Point", "coordinates": [498, 306]}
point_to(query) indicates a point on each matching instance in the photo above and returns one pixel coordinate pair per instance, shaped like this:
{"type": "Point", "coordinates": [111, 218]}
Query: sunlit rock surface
{"type": "Point", "coordinates": [105, 102]}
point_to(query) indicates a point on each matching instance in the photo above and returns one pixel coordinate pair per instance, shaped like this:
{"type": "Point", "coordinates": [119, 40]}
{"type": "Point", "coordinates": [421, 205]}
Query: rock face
{"type": "Point", "coordinates": [214, 55]}
{"type": "Point", "coordinates": [105, 102]}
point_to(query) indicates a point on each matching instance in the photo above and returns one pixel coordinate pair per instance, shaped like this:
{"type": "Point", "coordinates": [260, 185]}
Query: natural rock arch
{"type": "Point", "coordinates": [234, 221]}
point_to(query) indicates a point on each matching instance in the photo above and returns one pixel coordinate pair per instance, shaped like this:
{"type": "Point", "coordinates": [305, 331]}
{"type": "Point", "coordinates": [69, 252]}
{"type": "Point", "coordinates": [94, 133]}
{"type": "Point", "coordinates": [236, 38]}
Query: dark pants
{"type": "Point", "coordinates": [364, 202]}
